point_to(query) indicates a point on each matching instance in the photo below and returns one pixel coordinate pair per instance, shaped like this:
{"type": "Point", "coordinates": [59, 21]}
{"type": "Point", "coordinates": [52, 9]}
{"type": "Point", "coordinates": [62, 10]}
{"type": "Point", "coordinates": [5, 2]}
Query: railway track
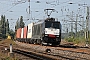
{"type": "Point", "coordinates": [52, 53]}
{"type": "Point", "coordinates": [30, 54]}
{"type": "Point", "coordinates": [56, 54]}
{"type": "Point", "coordinates": [60, 52]}
{"type": "Point", "coordinates": [73, 55]}
{"type": "Point", "coordinates": [35, 55]}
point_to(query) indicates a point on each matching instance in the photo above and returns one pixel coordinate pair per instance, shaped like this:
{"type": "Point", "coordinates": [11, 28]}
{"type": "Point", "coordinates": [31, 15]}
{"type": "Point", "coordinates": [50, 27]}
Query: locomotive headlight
{"type": "Point", "coordinates": [57, 36]}
{"type": "Point", "coordinates": [46, 35]}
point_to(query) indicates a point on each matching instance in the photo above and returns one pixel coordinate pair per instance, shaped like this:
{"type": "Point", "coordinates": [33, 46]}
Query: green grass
{"type": "Point", "coordinates": [76, 40]}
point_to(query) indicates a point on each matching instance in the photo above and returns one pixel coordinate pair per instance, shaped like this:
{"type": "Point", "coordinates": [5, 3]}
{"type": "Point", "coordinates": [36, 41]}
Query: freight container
{"type": "Point", "coordinates": [22, 30]}
{"type": "Point", "coordinates": [25, 32]}
{"type": "Point", "coordinates": [29, 34]}
{"type": "Point", "coordinates": [19, 33]}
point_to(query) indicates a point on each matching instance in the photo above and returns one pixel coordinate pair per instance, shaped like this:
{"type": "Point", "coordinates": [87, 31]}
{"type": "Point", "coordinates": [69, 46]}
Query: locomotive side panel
{"type": "Point", "coordinates": [38, 30]}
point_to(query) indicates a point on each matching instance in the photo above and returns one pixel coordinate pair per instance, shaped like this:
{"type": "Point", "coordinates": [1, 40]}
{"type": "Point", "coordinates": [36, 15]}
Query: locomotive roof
{"type": "Point", "coordinates": [47, 19]}
{"type": "Point", "coordinates": [50, 19]}
{"type": "Point", "coordinates": [39, 22]}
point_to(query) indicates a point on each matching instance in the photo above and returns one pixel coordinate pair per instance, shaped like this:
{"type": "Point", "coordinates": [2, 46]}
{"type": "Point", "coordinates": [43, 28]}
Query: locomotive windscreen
{"type": "Point", "coordinates": [50, 24]}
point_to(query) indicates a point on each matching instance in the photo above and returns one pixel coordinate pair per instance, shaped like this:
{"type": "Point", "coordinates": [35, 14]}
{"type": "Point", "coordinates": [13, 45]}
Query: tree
{"type": "Point", "coordinates": [17, 24]}
{"type": "Point", "coordinates": [11, 33]}
{"type": "Point", "coordinates": [7, 27]}
{"type": "Point", "coordinates": [21, 22]}
{"type": "Point", "coordinates": [3, 24]}
{"type": "Point", "coordinates": [1, 19]}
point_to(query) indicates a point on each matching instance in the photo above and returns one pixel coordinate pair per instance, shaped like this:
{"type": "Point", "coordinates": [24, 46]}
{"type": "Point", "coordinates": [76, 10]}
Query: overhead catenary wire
{"type": "Point", "coordinates": [60, 4]}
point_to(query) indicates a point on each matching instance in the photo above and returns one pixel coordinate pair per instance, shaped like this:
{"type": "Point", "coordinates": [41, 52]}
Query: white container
{"type": "Point", "coordinates": [22, 31]}
{"type": "Point", "coordinates": [29, 33]}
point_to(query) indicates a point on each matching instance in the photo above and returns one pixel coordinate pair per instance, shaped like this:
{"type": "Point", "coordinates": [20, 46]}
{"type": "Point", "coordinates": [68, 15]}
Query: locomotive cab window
{"type": "Point", "coordinates": [48, 24]}
{"type": "Point", "coordinates": [51, 24]}
{"type": "Point", "coordinates": [56, 25]}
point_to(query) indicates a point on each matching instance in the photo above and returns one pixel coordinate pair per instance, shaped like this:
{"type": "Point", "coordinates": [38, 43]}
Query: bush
{"type": "Point", "coordinates": [69, 39]}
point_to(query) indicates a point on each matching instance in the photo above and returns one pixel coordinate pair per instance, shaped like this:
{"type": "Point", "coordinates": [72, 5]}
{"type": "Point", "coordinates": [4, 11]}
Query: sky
{"type": "Point", "coordinates": [64, 11]}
